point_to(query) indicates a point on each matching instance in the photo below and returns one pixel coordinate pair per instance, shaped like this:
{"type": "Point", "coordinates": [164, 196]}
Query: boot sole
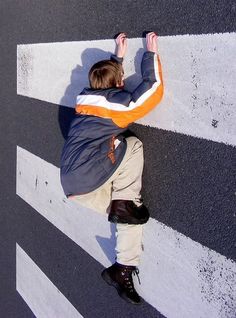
{"type": "Point", "coordinates": [116, 219]}
{"type": "Point", "coordinates": [111, 282]}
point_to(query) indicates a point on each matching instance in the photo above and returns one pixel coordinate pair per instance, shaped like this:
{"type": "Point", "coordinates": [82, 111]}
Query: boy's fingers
{"type": "Point", "coordinates": [121, 38]}
{"type": "Point", "coordinates": [150, 34]}
{"type": "Point", "coordinates": [151, 38]}
{"type": "Point", "coordinates": [121, 35]}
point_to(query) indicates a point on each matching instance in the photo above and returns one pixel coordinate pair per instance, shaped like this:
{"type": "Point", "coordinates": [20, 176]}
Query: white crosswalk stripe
{"type": "Point", "coordinates": [184, 278]}
{"type": "Point", "coordinates": [199, 80]}
{"type": "Point", "coordinates": [41, 295]}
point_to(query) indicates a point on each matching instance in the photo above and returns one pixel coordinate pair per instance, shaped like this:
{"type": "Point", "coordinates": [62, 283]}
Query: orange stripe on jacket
{"type": "Point", "coordinates": [124, 118]}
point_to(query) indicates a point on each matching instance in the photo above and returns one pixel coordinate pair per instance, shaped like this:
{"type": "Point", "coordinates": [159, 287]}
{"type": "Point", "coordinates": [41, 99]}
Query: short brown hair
{"type": "Point", "coordinates": [105, 74]}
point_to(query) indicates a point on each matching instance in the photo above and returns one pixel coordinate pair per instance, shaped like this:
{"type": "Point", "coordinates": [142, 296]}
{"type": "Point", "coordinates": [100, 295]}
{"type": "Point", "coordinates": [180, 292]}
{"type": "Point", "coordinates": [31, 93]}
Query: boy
{"type": "Point", "coordinates": [102, 169]}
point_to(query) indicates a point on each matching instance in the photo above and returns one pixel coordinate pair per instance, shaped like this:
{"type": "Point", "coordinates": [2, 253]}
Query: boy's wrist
{"type": "Point", "coordinates": [119, 54]}
{"type": "Point", "coordinates": [117, 58]}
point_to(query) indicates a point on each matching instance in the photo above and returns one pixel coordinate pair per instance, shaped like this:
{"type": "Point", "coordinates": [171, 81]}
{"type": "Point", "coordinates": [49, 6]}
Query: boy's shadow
{"type": "Point", "coordinates": [79, 80]}
{"type": "Point", "coordinates": [108, 244]}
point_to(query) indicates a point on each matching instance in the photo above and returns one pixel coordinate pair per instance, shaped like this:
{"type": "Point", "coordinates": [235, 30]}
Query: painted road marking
{"type": "Point", "coordinates": [40, 294]}
{"type": "Point", "coordinates": [200, 93]}
{"type": "Point", "coordinates": [184, 279]}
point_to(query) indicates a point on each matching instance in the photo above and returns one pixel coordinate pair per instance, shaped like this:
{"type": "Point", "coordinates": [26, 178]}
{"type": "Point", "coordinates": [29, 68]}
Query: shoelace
{"type": "Point", "coordinates": [136, 272]}
{"type": "Point", "coordinates": [128, 279]}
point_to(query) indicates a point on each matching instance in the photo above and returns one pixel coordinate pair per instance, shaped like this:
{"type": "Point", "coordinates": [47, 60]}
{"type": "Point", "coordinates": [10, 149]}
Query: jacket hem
{"type": "Point", "coordinates": [107, 176]}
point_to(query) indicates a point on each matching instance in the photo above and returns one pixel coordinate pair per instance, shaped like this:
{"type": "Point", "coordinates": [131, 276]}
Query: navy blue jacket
{"type": "Point", "coordinates": [95, 145]}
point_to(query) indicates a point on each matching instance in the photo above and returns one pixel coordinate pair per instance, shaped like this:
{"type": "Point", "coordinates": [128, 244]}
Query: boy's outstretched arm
{"type": "Point", "coordinates": [149, 93]}
{"type": "Point", "coordinates": [144, 98]}
{"type": "Point", "coordinates": [121, 42]}
{"type": "Point", "coordinates": [121, 47]}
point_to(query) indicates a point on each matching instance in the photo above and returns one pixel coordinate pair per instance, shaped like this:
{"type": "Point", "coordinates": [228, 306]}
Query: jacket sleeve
{"type": "Point", "coordinates": [117, 59]}
{"type": "Point", "coordinates": [146, 96]}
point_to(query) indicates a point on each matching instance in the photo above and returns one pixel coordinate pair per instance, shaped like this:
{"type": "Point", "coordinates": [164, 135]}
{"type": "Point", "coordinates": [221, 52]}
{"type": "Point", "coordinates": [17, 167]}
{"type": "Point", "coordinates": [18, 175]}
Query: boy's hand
{"type": "Point", "coordinates": [151, 41]}
{"type": "Point", "coordinates": [121, 42]}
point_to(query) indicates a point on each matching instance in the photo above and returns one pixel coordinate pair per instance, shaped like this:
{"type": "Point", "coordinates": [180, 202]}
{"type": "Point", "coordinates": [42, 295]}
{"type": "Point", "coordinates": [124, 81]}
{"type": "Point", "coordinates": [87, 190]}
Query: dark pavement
{"type": "Point", "coordinates": [189, 183]}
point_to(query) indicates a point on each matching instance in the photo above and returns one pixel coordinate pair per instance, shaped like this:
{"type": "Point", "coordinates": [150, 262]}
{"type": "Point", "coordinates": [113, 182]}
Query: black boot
{"type": "Point", "coordinates": [125, 211]}
{"type": "Point", "coordinates": [120, 276]}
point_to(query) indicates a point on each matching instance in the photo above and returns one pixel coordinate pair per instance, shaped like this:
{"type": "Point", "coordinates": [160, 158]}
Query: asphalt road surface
{"type": "Point", "coordinates": [188, 184]}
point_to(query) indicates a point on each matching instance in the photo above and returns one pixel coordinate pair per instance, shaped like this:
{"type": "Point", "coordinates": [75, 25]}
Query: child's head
{"type": "Point", "coordinates": [106, 74]}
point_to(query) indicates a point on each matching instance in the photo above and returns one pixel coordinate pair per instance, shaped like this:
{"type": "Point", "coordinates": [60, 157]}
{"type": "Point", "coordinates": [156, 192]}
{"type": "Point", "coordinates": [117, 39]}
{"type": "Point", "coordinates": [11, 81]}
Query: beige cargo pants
{"type": "Point", "coordinates": [124, 184]}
